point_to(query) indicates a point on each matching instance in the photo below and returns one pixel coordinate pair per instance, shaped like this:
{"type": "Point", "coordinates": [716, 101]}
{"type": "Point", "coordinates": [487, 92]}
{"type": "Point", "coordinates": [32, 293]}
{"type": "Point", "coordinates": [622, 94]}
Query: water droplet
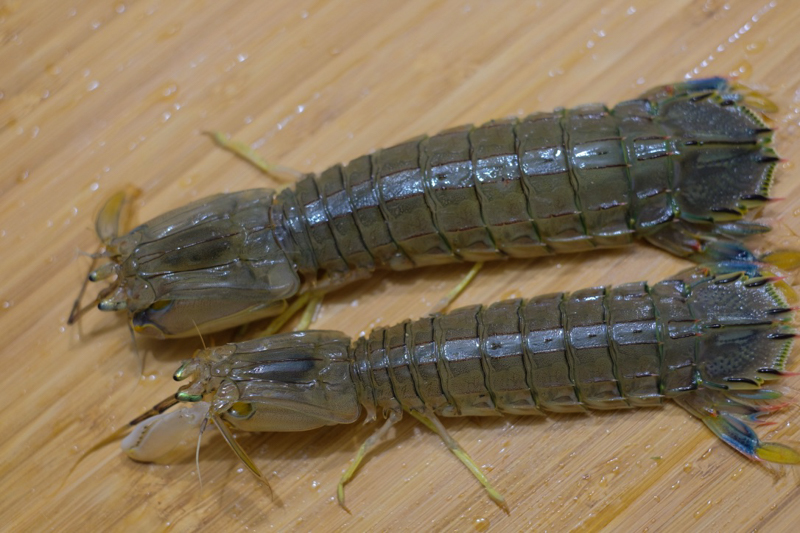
{"type": "Point", "coordinates": [120, 8]}
{"type": "Point", "coordinates": [169, 32]}
{"type": "Point", "coordinates": [687, 467]}
{"type": "Point", "coordinates": [755, 47]}
{"type": "Point", "coordinates": [482, 524]}
{"type": "Point", "coordinates": [169, 90]}
{"type": "Point", "coordinates": [94, 84]}
{"type": "Point", "coordinates": [743, 71]}
{"type": "Point", "coordinates": [703, 510]}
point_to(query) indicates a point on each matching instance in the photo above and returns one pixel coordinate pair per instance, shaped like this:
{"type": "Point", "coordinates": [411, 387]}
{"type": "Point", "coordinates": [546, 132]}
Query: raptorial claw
{"type": "Point", "coordinates": [159, 438]}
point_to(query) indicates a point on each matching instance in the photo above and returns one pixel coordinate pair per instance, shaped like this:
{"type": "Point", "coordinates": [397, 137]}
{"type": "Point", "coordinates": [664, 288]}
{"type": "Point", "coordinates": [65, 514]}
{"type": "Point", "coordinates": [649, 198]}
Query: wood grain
{"type": "Point", "coordinates": [97, 95]}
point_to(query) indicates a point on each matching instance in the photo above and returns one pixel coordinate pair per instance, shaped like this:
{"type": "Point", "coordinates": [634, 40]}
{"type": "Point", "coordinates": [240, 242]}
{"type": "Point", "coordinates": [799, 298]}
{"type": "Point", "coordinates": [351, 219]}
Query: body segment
{"type": "Point", "coordinates": [679, 166]}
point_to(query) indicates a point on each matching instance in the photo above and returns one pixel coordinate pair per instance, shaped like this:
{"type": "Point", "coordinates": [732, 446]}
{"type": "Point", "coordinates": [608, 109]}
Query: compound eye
{"type": "Point", "coordinates": [183, 396]}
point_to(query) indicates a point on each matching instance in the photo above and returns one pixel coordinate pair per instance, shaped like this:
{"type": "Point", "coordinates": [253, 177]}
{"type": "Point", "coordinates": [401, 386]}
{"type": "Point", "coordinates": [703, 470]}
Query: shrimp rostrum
{"type": "Point", "coordinates": [714, 338]}
{"type": "Point", "coordinates": [680, 167]}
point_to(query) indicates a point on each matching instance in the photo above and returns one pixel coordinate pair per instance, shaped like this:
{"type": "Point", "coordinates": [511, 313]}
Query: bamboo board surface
{"type": "Point", "coordinates": [98, 95]}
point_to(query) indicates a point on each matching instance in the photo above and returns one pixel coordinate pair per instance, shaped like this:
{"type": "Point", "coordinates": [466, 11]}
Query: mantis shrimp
{"type": "Point", "coordinates": [714, 338]}
{"type": "Point", "coordinates": [680, 167]}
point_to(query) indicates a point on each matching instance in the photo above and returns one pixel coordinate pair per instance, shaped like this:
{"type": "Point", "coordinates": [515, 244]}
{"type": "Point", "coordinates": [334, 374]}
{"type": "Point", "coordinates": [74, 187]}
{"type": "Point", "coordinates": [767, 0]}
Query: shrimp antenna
{"type": "Point", "coordinates": [122, 431]}
{"type": "Point", "coordinates": [115, 436]}
{"type": "Point", "coordinates": [159, 408]}
{"type": "Point", "coordinates": [136, 351]}
{"type": "Point", "coordinates": [77, 312]}
{"type": "Point", "coordinates": [202, 341]}
{"type": "Point", "coordinates": [197, 450]}
{"type": "Point", "coordinates": [107, 228]}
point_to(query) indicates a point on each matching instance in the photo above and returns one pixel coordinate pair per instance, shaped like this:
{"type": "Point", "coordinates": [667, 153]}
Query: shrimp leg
{"type": "Point", "coordinates": [279, 321]}
{"type": "Point", "coordinates": [237, 449]}
{"type": "Point", "coordinates": [456, 291]}
{"type": "Point", "coordinates": [432, 422]}
{"type": "Point", "coordinates": [312, 308]}
{"type": "Point", "coordinates": [310, 302]}
{"type": "Point", "coordinates": [243, 151]}
{"type": "Point", "coordinates": [374, 439]}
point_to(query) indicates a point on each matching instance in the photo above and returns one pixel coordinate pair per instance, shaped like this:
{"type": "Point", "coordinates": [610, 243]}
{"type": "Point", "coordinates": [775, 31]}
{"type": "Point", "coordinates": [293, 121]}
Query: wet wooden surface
{"type": "Point", "coordinates": [97, 95]}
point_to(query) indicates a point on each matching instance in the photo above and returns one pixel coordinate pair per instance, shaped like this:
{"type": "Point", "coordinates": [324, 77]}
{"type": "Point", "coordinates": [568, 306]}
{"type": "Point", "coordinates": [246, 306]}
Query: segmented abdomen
{"type": "Point", "coordinates": [600, 348]}
{"type": "Point", "coordinates": [551, 182]}
{"type": "Point", "coordinates": [593, 348]}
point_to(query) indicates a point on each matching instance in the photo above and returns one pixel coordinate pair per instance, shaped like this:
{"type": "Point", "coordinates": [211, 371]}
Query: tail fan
{"type": "Point", "coordinates": [744, 336]}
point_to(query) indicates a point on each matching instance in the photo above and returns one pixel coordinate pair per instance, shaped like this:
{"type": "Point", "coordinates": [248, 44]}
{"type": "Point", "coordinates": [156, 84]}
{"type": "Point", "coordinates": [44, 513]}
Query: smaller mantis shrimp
{"type": "Point", "coordinates": [714, 338]}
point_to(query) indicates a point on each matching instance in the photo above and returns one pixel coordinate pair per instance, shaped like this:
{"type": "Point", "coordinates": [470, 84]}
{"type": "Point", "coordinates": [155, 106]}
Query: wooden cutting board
{"type": "Point", "coordinates": [98, 95]}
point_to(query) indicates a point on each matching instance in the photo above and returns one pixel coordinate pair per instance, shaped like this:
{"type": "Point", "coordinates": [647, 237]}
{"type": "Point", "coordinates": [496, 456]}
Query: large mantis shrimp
{"type": "Point", "coordinates": [714, 339]}
{"type": "Point", "coordinates": [680, 167]}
